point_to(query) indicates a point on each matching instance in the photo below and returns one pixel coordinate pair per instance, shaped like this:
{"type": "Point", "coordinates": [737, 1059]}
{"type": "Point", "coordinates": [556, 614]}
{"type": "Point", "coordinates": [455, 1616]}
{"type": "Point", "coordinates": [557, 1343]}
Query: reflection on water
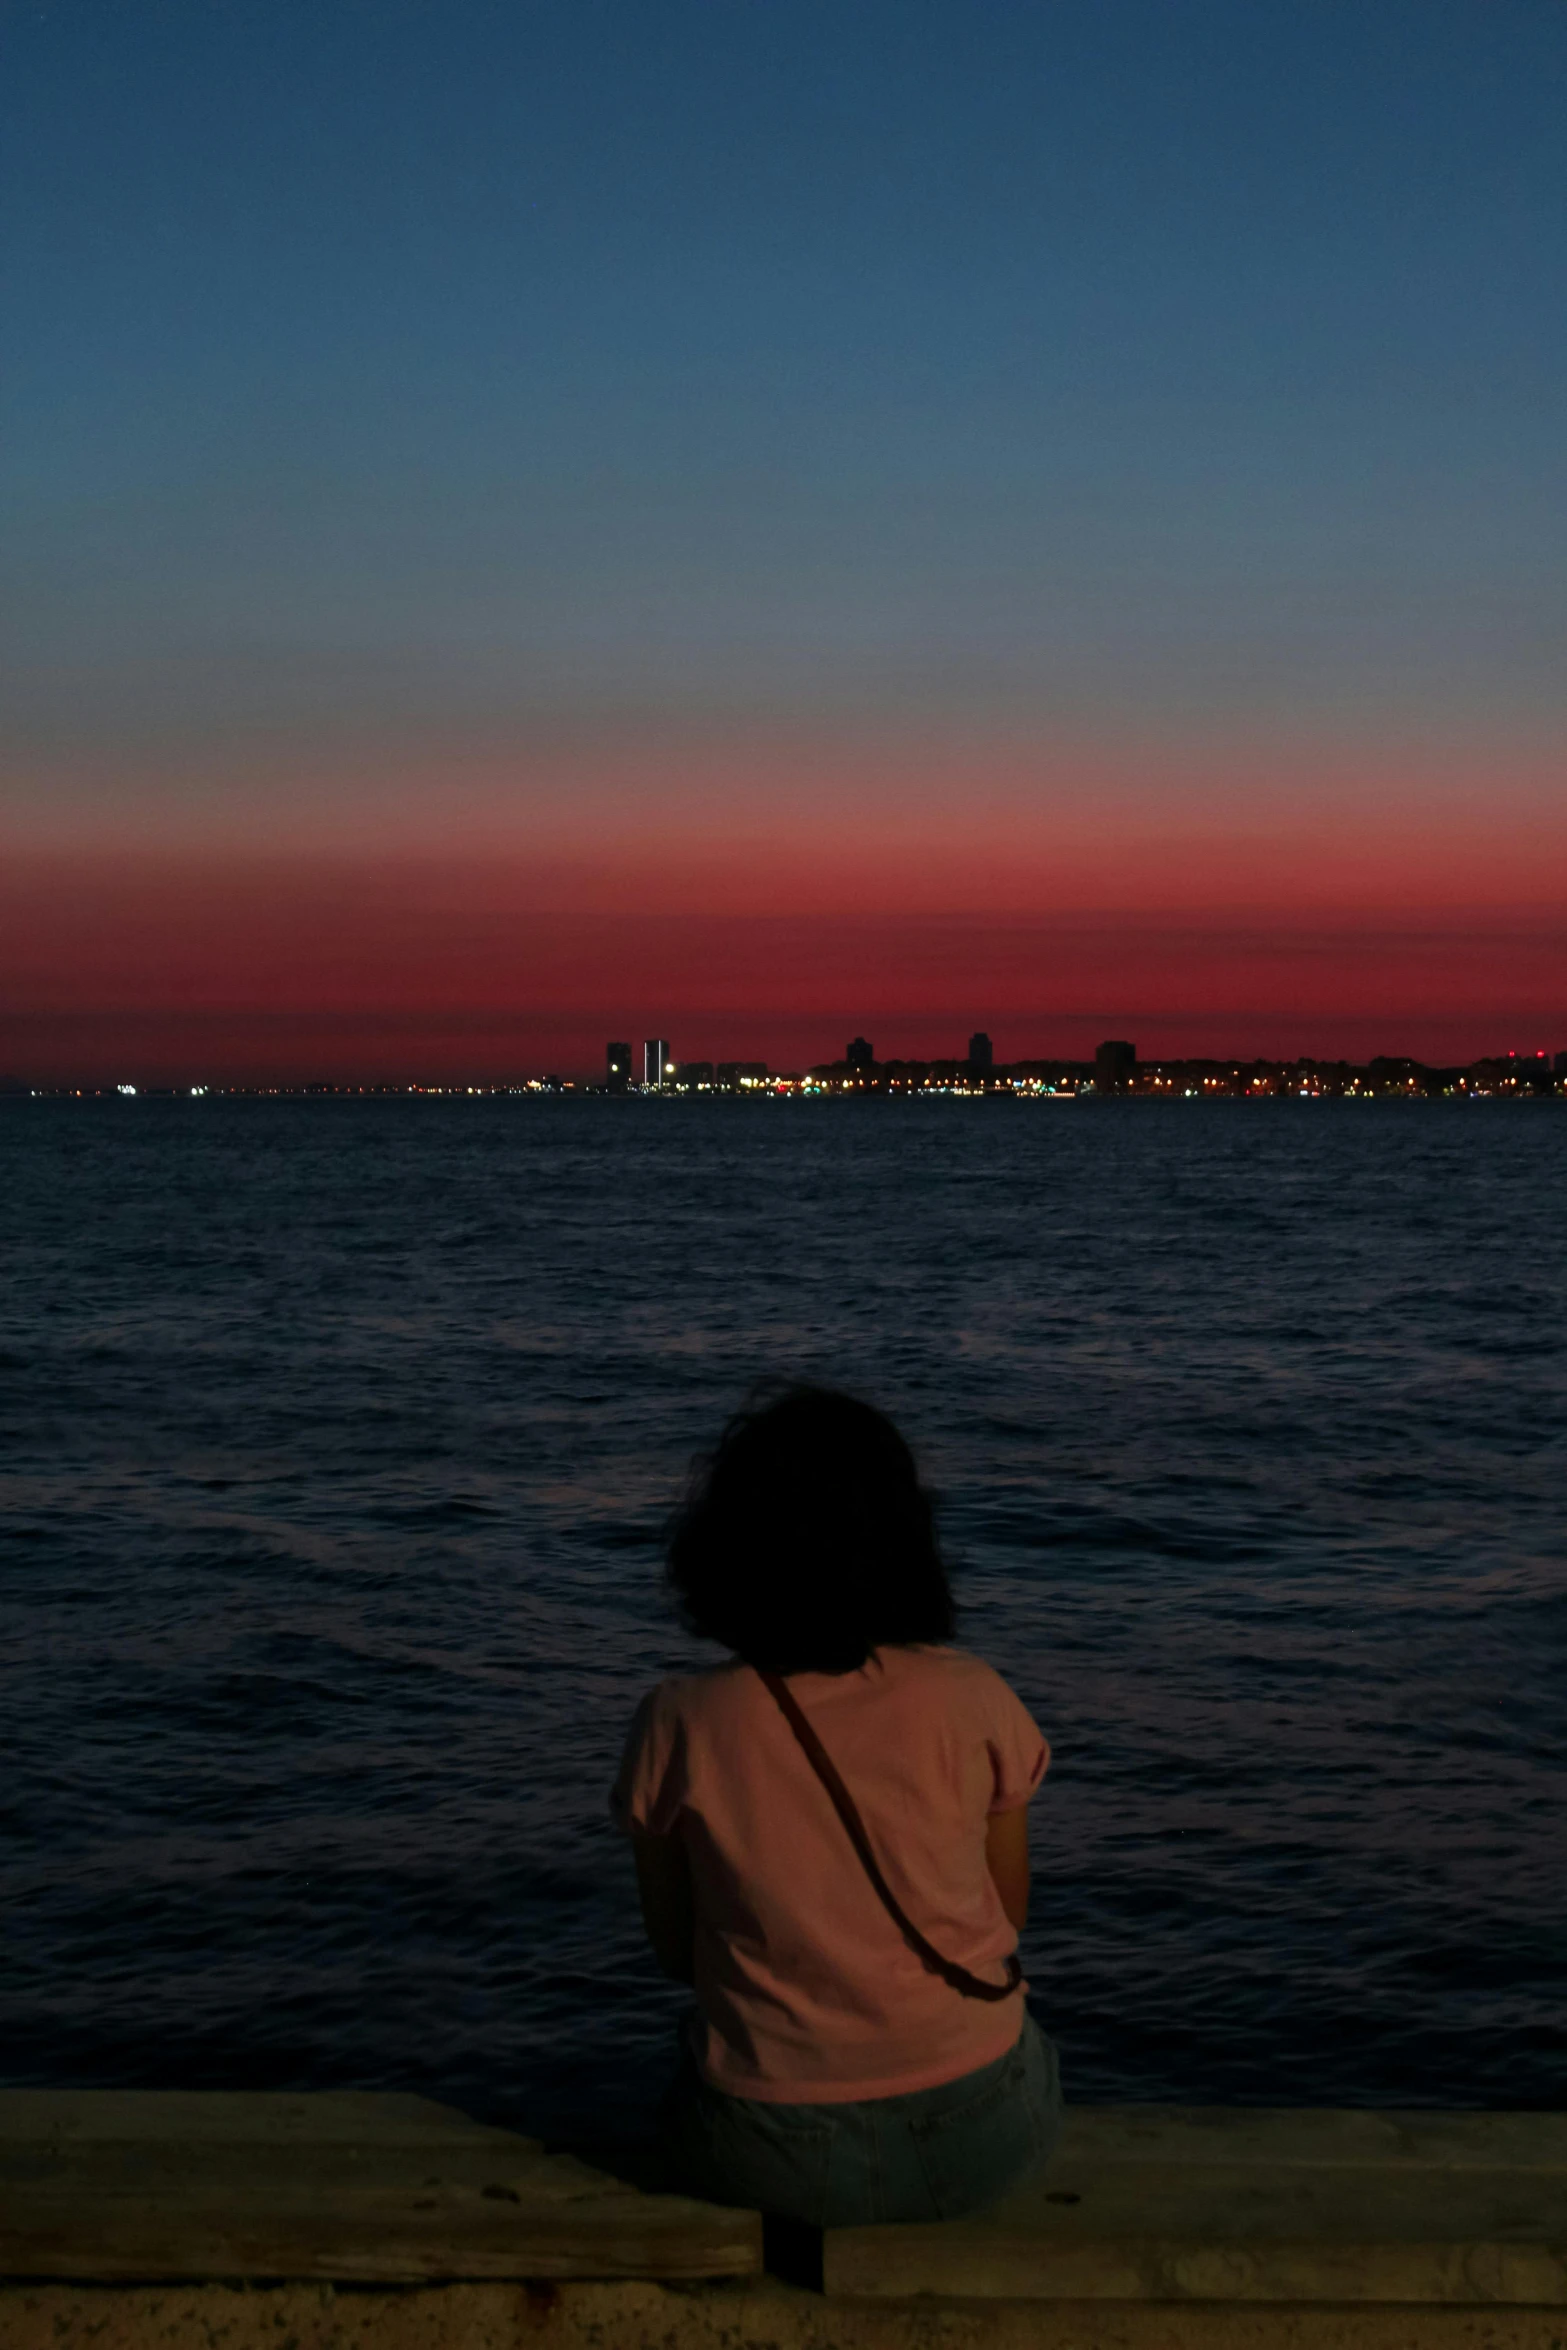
{"type": "Point", "coordinates": [337, 1437]}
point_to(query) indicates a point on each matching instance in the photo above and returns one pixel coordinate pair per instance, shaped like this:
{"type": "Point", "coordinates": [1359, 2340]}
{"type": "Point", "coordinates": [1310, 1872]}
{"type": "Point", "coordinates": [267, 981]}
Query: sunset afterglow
{"type": "Point", "coordinates": [749, 526]}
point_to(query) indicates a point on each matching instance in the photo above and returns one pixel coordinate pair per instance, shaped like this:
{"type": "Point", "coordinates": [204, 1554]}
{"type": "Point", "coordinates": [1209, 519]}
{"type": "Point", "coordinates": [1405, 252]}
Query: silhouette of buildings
{"type": "Point", "coordinates": [1115, 1071]}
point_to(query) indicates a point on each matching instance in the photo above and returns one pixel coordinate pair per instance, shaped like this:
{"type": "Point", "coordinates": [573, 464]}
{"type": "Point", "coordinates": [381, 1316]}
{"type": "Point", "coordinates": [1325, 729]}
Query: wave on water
{"type": "Point", "coordinates": [338, 1438]}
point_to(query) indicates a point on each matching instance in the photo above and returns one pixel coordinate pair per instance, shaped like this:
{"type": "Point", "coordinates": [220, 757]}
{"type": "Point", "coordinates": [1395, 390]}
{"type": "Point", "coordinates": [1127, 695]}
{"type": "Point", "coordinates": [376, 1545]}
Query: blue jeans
{"type": "Point", "coordinates": [932, 2154]}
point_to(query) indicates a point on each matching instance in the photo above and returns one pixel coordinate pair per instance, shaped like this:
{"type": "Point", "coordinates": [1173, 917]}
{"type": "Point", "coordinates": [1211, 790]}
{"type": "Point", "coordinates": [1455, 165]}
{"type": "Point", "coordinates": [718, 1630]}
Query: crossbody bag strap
{"type": "Point", "coordinates": [821, 1762]}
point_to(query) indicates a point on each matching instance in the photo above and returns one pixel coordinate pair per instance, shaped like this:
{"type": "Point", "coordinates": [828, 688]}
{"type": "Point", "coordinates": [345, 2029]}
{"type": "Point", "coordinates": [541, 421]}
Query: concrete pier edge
{"type": "Point", "coordinates": [357, 2221]}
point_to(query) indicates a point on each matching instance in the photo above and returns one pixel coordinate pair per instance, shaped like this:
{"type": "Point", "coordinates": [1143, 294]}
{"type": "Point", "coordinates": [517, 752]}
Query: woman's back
{"type": "Point", "coordinates": [807, 1989]}
{"type": "Point", "coordinates": [831, 1842]}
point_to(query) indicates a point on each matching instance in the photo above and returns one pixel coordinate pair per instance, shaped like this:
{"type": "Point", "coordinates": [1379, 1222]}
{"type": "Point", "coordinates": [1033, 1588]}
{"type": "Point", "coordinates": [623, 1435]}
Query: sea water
{"type": "Point", "coordinates": [337, 1438]}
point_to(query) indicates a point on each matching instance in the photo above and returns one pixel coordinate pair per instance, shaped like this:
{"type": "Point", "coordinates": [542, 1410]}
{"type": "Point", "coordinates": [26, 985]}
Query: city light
{"type": "Point", "coordinates": [1512, 1077]}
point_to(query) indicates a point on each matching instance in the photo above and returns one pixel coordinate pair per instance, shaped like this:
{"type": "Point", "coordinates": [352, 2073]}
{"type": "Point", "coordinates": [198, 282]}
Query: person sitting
{"type": "Point", "coordinates": [831, 1843]}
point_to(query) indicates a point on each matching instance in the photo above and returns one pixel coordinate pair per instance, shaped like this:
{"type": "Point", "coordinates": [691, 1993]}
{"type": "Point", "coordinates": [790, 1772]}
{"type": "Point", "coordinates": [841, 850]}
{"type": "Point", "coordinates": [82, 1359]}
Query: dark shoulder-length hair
{"type": "Point", "coordinates": [807, 1540]}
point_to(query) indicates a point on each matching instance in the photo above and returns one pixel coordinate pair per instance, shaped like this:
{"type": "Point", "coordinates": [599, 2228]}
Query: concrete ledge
{"type": "Point", "coordinates": [1215, 2204]}
{"type": "Point", "coordinates": [362, 2189]}
{"type": "Point", "coordinates": [1156, 2228]}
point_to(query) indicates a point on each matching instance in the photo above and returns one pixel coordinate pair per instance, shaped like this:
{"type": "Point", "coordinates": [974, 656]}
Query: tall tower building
{"type": "Point", "coordinates": [658, 1064]}
{"type": "Point", "coordinates": [981, 1055]}
{"type": "Point", "coordinates": [617, 1067]}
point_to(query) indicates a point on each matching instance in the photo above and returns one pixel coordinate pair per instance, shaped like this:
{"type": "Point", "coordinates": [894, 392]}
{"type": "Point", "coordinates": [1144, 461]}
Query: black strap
{"type": "Point", "coordinates": [971, 1986]}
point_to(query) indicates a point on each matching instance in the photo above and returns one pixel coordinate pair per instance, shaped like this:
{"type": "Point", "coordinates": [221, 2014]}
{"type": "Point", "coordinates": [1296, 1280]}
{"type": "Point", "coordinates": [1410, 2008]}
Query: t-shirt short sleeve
{"type": "Point", "coordinates": [650, 1786]}
{"type": "Point", "coordinates": [1019, 1751]}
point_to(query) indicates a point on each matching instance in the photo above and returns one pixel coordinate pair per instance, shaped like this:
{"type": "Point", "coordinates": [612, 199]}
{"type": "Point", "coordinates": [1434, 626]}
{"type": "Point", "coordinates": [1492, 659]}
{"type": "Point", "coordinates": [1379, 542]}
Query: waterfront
{"type": "Point", "coordinates": [337, 1437]}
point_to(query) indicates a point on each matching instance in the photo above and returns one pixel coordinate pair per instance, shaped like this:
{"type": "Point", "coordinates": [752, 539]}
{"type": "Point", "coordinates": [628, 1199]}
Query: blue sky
{"type": "Point", "coordinates": [433, 407]}
{"type": "Point", "coordinates": [704, 353]}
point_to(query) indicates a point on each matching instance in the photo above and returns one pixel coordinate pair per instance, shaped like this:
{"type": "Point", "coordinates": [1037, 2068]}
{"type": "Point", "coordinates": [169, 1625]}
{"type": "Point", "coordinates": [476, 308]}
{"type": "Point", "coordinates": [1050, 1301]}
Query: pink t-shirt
{"type": "Point", "coordinates": [808, 1992]}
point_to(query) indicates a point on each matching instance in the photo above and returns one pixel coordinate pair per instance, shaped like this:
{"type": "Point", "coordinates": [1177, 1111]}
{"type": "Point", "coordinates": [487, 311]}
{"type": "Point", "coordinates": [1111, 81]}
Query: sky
{"type": "Point", "coordinates": [756, 521]}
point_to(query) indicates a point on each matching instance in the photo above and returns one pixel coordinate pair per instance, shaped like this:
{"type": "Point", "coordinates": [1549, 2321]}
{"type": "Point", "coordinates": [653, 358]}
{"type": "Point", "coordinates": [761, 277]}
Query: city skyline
{"type": "Point", "coordinates": [1115, 1068]}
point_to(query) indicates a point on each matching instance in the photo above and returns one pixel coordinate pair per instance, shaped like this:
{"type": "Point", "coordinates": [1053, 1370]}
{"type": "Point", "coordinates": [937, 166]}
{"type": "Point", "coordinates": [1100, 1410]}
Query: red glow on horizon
{"type": "Point", "coordinates": [767, 900]}
{"type": "Point", "coordinates": [190, 970]}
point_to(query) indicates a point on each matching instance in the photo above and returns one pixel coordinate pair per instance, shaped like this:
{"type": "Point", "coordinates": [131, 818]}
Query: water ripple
{"type": "Point", "coordinates": [337, 1439]}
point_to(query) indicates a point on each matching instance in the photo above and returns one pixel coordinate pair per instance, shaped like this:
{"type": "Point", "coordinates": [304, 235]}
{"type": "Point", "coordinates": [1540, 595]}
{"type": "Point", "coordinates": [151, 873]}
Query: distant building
{"type": "Point", "coordinates": [617, 1067]}
{"type": "Point", "coordinates": [981, 1055]}
{"type": "Point", "coordinates": [657, 1065]}
{"type": "Point", "coordinates": [694, 1077]}
{"type": "Point", "coordinates": [860, 1054]}
{"type": "Point", "coordinates": [1115, 1065]}
{"type": "Point", "coordinates": [732, 1075]}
